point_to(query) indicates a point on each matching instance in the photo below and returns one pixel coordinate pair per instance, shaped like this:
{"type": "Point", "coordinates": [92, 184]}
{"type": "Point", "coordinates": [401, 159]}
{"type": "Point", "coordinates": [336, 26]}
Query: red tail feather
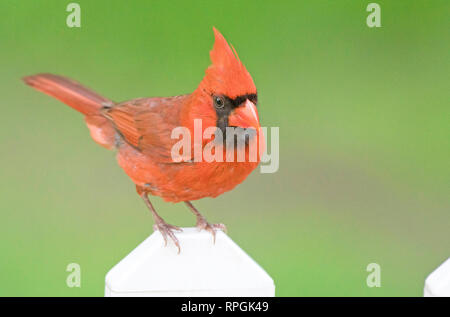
{"type": "Point", "coordinates": [68, 91]}
{"type": "Point", "coordinates": [79, 98]}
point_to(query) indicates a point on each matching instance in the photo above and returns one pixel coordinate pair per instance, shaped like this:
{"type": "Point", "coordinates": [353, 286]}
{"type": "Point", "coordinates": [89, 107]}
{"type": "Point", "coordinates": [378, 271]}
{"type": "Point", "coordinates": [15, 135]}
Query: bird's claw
{"type": "Point", "coordinates": [167, 230]}
{"type": "Point", "coordinates": [202, 224]}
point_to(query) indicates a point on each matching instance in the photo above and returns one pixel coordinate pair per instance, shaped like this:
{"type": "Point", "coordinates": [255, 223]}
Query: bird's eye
{"type": "Point", "coordinates": [218, 102]}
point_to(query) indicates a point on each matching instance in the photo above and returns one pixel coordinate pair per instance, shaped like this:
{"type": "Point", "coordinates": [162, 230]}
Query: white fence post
{"type": "Point", "coordinates": [201, 269]}
{"type": "Point", "coordinates": [437, 283]}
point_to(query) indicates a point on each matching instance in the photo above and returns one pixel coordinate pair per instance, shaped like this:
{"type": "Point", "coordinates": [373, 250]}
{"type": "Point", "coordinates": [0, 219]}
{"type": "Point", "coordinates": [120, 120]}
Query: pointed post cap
{"type": "Point", "coordinates": [437, 283]}
{"type": "Point", "coordinates": [201, 269]}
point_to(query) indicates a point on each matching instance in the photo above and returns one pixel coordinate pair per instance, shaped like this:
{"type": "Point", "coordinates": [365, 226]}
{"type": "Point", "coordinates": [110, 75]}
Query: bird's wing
{"type": "Point", "coordinates": [147, 124]}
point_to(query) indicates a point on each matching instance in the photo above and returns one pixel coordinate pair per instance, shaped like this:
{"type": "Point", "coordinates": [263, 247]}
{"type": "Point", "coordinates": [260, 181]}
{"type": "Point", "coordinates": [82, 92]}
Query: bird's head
{"type": "Point", "coordinates": [226, 97]}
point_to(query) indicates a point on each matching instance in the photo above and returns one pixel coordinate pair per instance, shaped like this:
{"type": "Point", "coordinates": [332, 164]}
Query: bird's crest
{"type": "Point", "coordinates": [227, 75]}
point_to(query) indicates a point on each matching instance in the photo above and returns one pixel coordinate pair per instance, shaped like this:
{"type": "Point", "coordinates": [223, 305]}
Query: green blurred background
{"type": "Point", "coordinates": [363, 116]}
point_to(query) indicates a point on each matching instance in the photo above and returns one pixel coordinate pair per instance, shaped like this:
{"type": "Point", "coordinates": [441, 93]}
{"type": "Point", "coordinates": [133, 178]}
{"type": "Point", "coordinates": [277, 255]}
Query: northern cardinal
{"type": "Point", "coordinates": [140, 130]}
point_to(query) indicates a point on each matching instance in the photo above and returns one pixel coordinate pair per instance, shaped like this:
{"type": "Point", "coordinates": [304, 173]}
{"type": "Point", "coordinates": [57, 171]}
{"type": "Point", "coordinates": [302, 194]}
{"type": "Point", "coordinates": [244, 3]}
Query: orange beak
{"type": "Point", "coordinates": [245, 116]}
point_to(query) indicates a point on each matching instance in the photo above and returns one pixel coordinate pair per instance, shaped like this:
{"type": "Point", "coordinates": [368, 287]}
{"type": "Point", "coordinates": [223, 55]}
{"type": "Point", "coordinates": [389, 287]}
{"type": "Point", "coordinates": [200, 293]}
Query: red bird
{"type": "Point", "coordinates": [140, 130]}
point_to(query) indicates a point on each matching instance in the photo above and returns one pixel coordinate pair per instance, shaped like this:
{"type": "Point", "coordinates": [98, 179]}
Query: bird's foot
{"type": "Point", "coordinates": [202, 224]}
{"type": "Point", "coordinates": [168, 231]}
